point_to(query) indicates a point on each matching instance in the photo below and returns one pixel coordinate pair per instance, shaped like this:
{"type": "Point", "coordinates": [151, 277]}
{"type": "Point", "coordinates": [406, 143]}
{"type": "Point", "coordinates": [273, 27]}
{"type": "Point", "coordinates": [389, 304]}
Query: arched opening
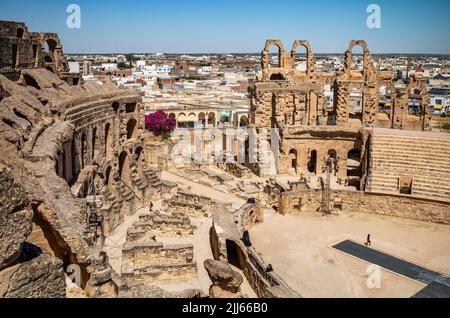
{"type": "Point", "coordinates": [243, 121]}
{"type": "Point", "coordinates": [115, 106]}
{"type": "Point", "coordinates": [274, 56]}
{"type": "Point", "coordinates": [140, 159]}
{"type": "Point", "coordinates": [356, 102]}
{"type": "Point", "coordinates": [50, 46]}
{"type": "Point", "coordinates": [312, 162]}
{"type": "Point", "coordinates": [94, 138]}
{"type": "Point", "coordinates": [124, 167]}
{"type": "Point", "coordinates": [277, 77]}
{"type": "Point", "coordinates": [415, 105]}
{"type": "Point", "coordinates": [174, 117]}
{"type": "Point", "coordinates": [108, 179]}
{"type": "Point", "coordinates": [19, 33]}
{"type": "Point", "coordinates": [211, 119]}
{"type": "Point", "coordinates": [332, 154]}
{"type": "Point", "coordinates": [14, 54]}
{"type": "Point", "coordinates": [35, 51]}
{"type": "Point", "coordinates": [357, 58]}
{"type": "Point", "coordinates": [202, 119]}
{"type": "Point", "coordinates": [132, 129]}
{"type": "Point", "coordinates": [300, 60]}
{"type": "Point", "coordinates": [353, 162]}
{"type": "Point", "coordinates": [130, 107]}
{"type": "Point", "coordinates": [235, 255]}
{"type": "Point", "coordinates": [293, 159]}
{"type": "Point", "coordinates": [108, 141]}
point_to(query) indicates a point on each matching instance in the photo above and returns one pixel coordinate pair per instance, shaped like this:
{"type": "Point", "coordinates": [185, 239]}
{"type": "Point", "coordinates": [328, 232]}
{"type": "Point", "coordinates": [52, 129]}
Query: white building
{"type": "Point", "coordinates": [110, 67]}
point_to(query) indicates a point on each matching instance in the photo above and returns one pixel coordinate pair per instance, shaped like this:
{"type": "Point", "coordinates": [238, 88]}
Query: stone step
{"type": "Point", "coordinates": [414, 138]}
{"type": "Point", "coordinates": [433, 195]}
{"type": "Point", "coordinates": [393, 146]}
{"type": "Point", "coordinates": [416, 163]}
{"type": "Point", "coordinates": [382, 155]}
{"type": "Point", "coordinates": [405, 169]}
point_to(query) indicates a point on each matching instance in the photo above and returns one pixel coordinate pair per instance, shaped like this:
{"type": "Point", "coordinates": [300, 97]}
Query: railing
{"type": "Point", "coordinates": [129, 188]}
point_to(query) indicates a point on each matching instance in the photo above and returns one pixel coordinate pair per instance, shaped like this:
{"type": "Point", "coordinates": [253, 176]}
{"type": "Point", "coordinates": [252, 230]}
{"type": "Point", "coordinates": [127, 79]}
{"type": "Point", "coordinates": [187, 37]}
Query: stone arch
{"type": "Point", "coordinates": [312, 162]}
{"type": "Point", "coordinates": [353, 162]}
{"type": "Point", "coordinates": [115, 106]}
{"type": "Point", "coordinates": [293, 156]}
{"type": "Point", "coordinates": [349, 54]}
{"type": "Point", "coordinates": [181, 117]}
{"type": "Point", "coordinates": [140, 160]}
{"type": "Point", "coordinates": [131, 128]}
{"type": "Point", "coordinates": [243, 121]}
{"type": "Point", "coordinates": [265, 56]}
{"type": "Point", "coordinates": [49, 47]}
{"type": "Point", "coordinates": [124, 167]}
{"type": "Point", "coordinates": [332, 154]}
{"type": "Point", "coordinates": [212, 118]}
{"type": "Point", "coordinates": [108, 141]}
{"type": "Point", "coordinates": [309, 54]}
{"type": "Point", "coordinates": [14, 54]}
{"type": "Point", "coordinates": [108, 178]}
{"type": "Point", "coordinates": [277, 77]}
{"type": "Point", "coordinates": [20, 33]}
{"type": "Point", "coordinates": [130, 107]}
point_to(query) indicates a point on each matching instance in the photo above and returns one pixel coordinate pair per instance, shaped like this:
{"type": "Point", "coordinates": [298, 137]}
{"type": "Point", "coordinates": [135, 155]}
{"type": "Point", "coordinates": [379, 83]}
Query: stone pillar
{"type": "Point", "coordinates": [341, 103]}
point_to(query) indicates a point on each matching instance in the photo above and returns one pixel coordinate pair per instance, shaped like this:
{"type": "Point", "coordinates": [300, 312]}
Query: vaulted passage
{"type": "Point", "coordinates": [131, 129]}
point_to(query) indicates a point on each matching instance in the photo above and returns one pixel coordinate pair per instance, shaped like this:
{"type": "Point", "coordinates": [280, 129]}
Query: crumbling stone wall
{"type": "Point", "coordinates": [384, 204]}
{"type": "Point", "coordinates": [21, 49]}
{"type": "Point", "coordinates": [64, 144]}
{"type": "Point", "coordinates": [287, 98]}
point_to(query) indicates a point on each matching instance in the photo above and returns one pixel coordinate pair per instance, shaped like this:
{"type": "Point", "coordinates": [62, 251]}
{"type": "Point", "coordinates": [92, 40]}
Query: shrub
{"type": "Point", "coordinates": [160, 124]}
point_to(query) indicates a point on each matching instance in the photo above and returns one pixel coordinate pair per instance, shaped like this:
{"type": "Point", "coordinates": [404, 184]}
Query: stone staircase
{"type": "Point", "coordinates": [424, 156]}
{"type": "Point", "coordinates": [124, 192]}
{"type": "Point", "coordinates": [153, 180]}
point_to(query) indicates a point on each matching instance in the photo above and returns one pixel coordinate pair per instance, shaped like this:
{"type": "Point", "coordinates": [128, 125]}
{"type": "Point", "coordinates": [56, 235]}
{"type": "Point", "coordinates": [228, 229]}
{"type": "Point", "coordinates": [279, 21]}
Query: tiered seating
{"type": "Point", "coordinates": [424, 156]}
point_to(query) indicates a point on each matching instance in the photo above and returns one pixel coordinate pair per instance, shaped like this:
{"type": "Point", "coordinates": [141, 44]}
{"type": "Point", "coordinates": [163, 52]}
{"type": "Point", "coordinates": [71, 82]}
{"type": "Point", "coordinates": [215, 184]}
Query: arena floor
{"type": "Point", "coordinates": [301, 249]}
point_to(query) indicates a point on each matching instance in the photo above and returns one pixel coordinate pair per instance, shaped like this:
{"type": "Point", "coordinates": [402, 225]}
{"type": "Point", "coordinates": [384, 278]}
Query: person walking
{"type": "Point", "coordinates": [368, 242]}
{"type": "Point", "coordinates": [151, 206]}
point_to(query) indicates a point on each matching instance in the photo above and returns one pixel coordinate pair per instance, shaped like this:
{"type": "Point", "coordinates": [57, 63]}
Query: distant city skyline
{"type": "Point", "coordinates": [232, 26]}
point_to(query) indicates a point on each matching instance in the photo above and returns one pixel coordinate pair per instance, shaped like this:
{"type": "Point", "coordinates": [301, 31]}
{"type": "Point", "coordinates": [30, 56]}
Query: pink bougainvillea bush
{"type": "Point", "coordinates": [159, 123]}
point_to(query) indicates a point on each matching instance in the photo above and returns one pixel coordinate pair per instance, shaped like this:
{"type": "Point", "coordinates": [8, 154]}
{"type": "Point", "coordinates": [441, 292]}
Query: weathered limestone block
{"type": "Point", "coordinates": [15, 217]}
{"type": "Point", "coordinates": [223, 275]}
{"type": "Point", "coordinates": [42, 277]}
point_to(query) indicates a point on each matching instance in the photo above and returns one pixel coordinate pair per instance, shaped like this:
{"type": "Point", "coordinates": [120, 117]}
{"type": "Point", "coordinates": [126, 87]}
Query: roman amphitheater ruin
{"type": "Point", "coordinates": [79, 173]}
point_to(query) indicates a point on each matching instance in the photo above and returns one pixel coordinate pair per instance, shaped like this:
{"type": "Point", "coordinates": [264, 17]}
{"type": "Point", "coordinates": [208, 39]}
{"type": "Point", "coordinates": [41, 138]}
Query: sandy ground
{"type": "Point", "coordinates": [299, 248]}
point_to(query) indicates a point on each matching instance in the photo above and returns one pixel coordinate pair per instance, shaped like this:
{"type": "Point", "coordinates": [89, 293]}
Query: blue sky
{"type": "Point", "coordinates": [198, 26]}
